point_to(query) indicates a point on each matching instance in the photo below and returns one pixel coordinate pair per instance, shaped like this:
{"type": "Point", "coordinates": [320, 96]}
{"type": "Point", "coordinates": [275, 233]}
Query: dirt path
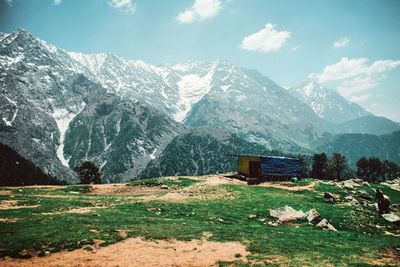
{"type": "Point", "coordinates": [290, 188]}
{"type": "Point", "coordinates": [139, 252]}
{"type": "Point", "coordinates": [13, 205]}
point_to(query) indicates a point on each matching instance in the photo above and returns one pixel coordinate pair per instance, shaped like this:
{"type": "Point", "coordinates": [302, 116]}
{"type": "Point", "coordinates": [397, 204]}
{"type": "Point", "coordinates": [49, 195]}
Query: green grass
{"type": "Point", "coordinates": [228, 220]}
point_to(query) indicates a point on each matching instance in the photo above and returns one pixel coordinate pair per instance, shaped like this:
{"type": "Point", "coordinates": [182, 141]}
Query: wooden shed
{"type": "Point", "coordinates": [268, 167]}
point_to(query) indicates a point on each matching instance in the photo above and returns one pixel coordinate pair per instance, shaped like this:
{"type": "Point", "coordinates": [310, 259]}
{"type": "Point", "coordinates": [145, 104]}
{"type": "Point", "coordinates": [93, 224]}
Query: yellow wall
{"type": "Point", "coordinates": [243, 166]}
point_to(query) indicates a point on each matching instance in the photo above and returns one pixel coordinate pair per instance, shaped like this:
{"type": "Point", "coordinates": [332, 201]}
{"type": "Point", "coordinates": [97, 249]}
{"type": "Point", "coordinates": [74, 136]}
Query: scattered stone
{"type": "Point", "coordinates": [88, 248]}
{"type": "Point", "coordinates": [325, 225]}
{"type": "Point", "coordinates": [164, 187]}
{"type": "Point", "coordinates": [273, 224]}
{"type": "Point", "coordinates": [44, 253]}
{"type": "Point", "coordinates": [252, 216]}
{"type": "Point", "coordinates": [366, 183]}
{"type": "Point", "coordinates": [313, 216]}
{"type": "Point", "coordinates": [363, 194]}
{"type": "Point", "coordinates": [390, 217]}
{"type": "Point", "coordinates": [154, 209]}
{"type": "Point", "coordinates": [395, 207]}
{"type": "Point", "coordinates": [350, 199]}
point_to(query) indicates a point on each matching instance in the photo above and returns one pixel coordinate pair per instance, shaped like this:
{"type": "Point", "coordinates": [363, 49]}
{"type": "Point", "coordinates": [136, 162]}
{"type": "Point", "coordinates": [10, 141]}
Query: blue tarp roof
{"type": "Point", "coordinates": [280, 166]}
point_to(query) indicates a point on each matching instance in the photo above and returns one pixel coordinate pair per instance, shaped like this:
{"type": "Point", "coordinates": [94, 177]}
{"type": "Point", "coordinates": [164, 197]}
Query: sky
{"type": "Point", "coordinates": [351, 46]}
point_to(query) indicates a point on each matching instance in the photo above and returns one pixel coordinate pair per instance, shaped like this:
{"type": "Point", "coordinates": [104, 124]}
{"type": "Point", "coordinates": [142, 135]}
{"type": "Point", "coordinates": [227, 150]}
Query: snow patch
{"type": "Point", "coordinates": [63, 117]}
{"type": "Point", "coordinates": [152, 155]}
{"type": "Point", "coordinates": [225, 87]}
{"type": "Point", "coordinates": [11, 101]}
{"type": "Point", "coordinates": [191, 88]}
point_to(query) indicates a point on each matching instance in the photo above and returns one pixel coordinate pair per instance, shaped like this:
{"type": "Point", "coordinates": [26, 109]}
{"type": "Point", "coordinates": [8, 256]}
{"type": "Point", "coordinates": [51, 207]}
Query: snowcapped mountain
{"type": "Point", "coordinates": [327, 104]}
{"type": "Point", "coordinates": [249, 104]}
{"type": "Point", "coordinates": [173, 89]}
{"type": "Point", "coordinates": [44, 92]}
{"type": "Point", "coordinates": [41, 89]}
{"type": "Point", "coordinates": [120, 135]}
{"type": "Point", "coordinates": [213, 94]}
{"type": "Point", "coordinates": [60, 108]}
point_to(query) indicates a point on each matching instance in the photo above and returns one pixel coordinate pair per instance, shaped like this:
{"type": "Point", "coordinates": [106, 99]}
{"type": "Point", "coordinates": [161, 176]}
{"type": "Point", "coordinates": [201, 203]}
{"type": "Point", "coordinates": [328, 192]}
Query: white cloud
{"type": "Point", "coordinates": [357, 85]}
{"type": "Point", "coordinates": [126, 6]}
{"type": "Point", "coordinates": [348, 68]}
{"type": "Point", "coordinates": [266, 40]}
{"type": "Point", "coordinates": [342, 42]}
{"type": "Point", "coordinates": [356, 76]}
{"type": "Point", "coordinates": [200, 10]}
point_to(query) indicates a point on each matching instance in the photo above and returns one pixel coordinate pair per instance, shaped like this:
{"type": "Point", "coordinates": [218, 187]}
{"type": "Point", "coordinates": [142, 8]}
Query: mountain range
{"type": "Point", "coordinates": [59, 108]}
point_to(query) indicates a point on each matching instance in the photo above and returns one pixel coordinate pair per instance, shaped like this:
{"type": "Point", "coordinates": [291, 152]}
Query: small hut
{"type": "Point", "coordinates": [265, 168]}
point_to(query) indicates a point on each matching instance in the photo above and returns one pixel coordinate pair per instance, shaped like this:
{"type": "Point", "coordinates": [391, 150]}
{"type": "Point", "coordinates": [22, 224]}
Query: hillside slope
{"type": "Point", "coordinates": [369, 125]}
{"type": "Point", "coordinates": [202, 151]}
{"type": "Point", "coordinates": [355, 146]}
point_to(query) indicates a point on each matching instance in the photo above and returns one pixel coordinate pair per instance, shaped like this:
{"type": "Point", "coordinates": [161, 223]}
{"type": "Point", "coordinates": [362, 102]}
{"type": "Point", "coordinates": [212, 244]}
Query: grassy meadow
{"type": "Point", "coordinates": [239, 213]}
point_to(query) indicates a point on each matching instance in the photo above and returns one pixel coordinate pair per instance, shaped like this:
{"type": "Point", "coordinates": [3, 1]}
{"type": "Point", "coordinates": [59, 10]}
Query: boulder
{"type": "Point", "coordinates": [292, 216]}
{"type": "Point", "coordinates": [329, 197]}
{"type": "Point", "coordinates": [325, 225]}
{"type": "Point", "coordinates": [313, 216]}
{"type": "Point", "coordinates": [350, 199]}
{"type": "Point", "coordinates": [286, 214]}
{"type": "Point", "coordinates": [276, 213]}
{"type": "Point", "coordinates": [164, 187]}
{"type": "Point", "coordinates": [390, 217]}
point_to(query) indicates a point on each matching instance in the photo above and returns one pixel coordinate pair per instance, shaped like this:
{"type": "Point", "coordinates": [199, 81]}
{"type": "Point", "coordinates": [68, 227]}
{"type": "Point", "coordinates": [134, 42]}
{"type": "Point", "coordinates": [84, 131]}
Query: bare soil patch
{"type": "Point", "coordinates": [123, 189]}
{"type": "Point", "coordinates": [289, 188]}
{"type": "Point", "coordinates": [80, 210]}
{"type": "Point", "coordinates": [214, 180]}
{"type": "Point", "coordinates": [13, 204]}
{"type": "Point", "coordinates": [139, 252]}
{"type": "Point", "coordinates": [5, 192]}
{"type": "Point", "coordinates": [391, 257]}
{"type": "Point", "coordinates": [206, 189]}
{"type": "Point", "coordinates": [8, 220]}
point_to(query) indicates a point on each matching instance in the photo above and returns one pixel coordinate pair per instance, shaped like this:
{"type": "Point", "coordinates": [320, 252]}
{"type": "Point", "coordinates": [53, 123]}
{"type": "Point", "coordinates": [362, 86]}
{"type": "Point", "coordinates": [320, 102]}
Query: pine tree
{"type": "Point", "coordinates": [88, 173]}
{"type": "Point", "coordinates": [338, 165]}
{"type": "Point", "coordinates": [319, 166]}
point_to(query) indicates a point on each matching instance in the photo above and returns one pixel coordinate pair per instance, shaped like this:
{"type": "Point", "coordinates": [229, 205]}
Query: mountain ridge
{"type": "Point", "coordinates": [59, 108]}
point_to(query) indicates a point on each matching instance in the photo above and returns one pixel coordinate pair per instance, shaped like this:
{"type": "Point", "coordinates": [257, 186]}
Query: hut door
{"type": "Point", "coordinates": [254, 169]}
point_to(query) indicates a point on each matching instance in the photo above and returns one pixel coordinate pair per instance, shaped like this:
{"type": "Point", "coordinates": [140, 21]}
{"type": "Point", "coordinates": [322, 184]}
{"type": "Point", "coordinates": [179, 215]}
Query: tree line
{"type": "Point", "coordinates": [336, 167]}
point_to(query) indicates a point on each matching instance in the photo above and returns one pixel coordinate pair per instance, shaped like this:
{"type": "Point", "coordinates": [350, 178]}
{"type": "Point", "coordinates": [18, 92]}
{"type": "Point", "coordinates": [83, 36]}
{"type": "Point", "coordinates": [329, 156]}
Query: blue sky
{"type": "Point", "coordinates": [348, 45]}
